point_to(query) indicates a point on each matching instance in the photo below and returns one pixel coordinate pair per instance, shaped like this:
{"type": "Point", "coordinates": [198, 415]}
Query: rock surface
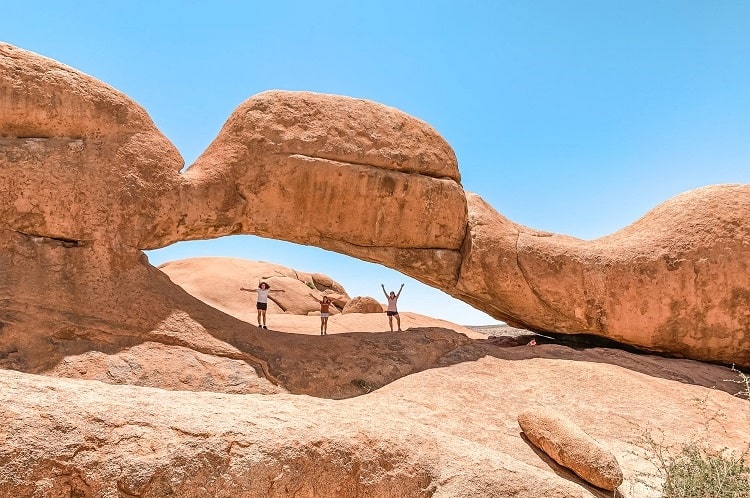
{"type": "Point", "coordinates": [363, 304]}
{"type": "Point", "coordinates": [87, 182]}
{"type": "Point", "coordinates": [217, 281]}
{"type": "Point", "coordinates": [571, 447]}
{"type": "Point", "coordinates": [428, 434]}
{"type": "Point", "coordinates": [675, 281]}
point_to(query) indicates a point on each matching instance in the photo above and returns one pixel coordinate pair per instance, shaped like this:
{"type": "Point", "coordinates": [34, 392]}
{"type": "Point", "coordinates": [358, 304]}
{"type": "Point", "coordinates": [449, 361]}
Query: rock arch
{"type": "Point", "coordinates": [88, 182]}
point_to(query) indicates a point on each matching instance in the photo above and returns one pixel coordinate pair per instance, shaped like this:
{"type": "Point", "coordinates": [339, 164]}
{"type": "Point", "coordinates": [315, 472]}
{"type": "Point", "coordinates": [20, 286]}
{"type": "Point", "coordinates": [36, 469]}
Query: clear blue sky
{"type": "Point", "coordinates": [570, 116]}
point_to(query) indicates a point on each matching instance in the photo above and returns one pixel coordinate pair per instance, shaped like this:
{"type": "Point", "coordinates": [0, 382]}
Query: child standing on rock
{"type": "Point", "coordinates": [325, 306]}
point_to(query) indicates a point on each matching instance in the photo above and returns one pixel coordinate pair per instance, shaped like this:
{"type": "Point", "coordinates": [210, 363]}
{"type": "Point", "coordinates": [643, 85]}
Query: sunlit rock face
{"type": "Point", "coordinates": [228, 284]}
{"type": "Point", "coordinates": [88, 182]}
{"type": "Point", "coordinates": [676, 281]}
{"type": "Point", "coordinates": [84, 177]}
{"type": "Point", "coordinates": [425, 435]}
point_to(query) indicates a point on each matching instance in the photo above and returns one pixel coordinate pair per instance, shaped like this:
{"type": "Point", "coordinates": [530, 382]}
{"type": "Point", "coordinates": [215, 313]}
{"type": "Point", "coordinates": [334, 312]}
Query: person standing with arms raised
{"type": "Point", "coordinates": [262, 304]}
{"type": "Point", "coordinates": [392, 309]}
{"type": "Point", "coordinates": [325, 312]}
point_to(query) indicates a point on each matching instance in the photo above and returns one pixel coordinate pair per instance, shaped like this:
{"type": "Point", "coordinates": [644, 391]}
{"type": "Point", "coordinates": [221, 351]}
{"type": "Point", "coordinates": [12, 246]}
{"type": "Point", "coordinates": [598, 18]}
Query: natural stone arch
{"type": "Point", "coordinates": [674, 281]}
{"type": "Point", "coordinates": [88, 182]}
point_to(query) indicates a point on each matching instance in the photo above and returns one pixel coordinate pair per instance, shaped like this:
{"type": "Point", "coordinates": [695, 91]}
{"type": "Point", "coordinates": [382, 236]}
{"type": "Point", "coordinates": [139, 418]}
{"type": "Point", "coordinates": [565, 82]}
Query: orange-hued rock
{"type": "Point", "coordinates": [219, 282]}
{"type": "Point", "coordinates": [635, 286]}
{"type": "Point", "coordinates": [571, 447]}
{"type": "Point", "coordinates": [677, 280]}
{"type": "Point", "coordinates": [179, 368]}
{"type": "Point", "coordinates": [363, 304]}
{"type": "Point", "coordinates": [285, 162]}
{"type": "Point", "coordinates": [429, 434]}
{"type": "Point", "coordinates": [88, 182]}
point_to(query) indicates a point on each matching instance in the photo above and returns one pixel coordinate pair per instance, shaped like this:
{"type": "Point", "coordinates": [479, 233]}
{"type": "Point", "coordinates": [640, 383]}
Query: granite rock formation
{"type": "Point", "coordinates": [217, 281]}
{"type": "Point", "coordinates": [88, 182]}
{"type": "Point", "coordinates": [428, 434]}
{"type": "Point", "coordinates": [363, 304]}
{"type": "Point", "coordinates": [571, 447]}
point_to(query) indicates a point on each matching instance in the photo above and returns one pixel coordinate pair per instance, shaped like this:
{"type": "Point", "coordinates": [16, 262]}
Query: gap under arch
{"type": "Point", "coordinates": [359, 278]}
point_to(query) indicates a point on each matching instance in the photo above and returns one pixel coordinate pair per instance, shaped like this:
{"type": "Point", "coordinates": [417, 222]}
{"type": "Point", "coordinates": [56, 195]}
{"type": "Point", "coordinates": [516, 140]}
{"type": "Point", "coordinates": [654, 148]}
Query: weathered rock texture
{"type": "Point", "coordinates": [363, 304]}
{"type": "Point", "coordinates": [154, 364]}
{"type": "Point", "coordinates": [88, 182]}
{"type": "Point", "coordinates": [677, 280]}
{"type": "Point", "coordinates": [217, 281]}
{"type": "Point", "coordinates": [429, 434]}
{"type": "Point", "coordinates": [571, 447]}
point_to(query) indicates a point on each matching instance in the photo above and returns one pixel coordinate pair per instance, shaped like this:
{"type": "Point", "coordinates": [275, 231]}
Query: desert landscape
{"type": "Point", "coordinates": [121, 379]}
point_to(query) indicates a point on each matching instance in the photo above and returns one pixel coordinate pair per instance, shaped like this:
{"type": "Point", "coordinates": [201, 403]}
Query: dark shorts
{"type": "Point", "coordinates": [391, 313]}
{"type": "Point", "coordinates": [262, 306]}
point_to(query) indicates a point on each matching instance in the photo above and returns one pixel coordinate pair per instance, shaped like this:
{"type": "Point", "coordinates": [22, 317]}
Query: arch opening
{"type": "Point", "coordinates": [359, 278]}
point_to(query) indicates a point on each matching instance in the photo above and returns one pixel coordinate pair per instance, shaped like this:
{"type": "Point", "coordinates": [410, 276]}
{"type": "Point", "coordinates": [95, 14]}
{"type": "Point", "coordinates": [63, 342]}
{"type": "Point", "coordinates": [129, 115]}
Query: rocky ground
{"type": "Point", "coordinates": [117, 382]}
{"type": "Point", "coordinates": [363, 412]}
{"type": "Point", "coordinates": [447, 431]}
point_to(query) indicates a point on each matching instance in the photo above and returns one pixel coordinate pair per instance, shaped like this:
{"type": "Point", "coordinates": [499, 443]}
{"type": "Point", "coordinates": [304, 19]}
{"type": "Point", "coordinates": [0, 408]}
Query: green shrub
{"type": "Point", "coordinates": [692, 470]}
{"type": "Point", "coordinates": [695, 472]}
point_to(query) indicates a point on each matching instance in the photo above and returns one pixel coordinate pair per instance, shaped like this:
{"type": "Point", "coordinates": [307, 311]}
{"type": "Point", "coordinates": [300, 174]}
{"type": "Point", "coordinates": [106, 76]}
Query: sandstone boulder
{"type": "Point", "coordinates": [571, 447]}
{"type": "Point", "coordinates": [338, 299]}
{"type": "Point", "coordinates": [363, 304]}
{"type": "Point", "coordinates": [324, 283]}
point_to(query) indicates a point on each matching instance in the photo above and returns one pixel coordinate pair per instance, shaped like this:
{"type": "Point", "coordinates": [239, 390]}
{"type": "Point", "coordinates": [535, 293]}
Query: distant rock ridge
{"type": "Point", "coordinates": [217, 281]}
{"type": "Point", "coordinates": [363, 304]}
{"type": "Point", "coordinates": [88, 182]}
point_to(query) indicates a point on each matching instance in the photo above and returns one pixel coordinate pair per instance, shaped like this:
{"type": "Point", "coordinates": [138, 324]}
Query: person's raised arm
{"type": "Point", "coordinates": [384, 292]}
{"type": "Point", "coordinates": [247, 290]}
{"type": "Point", "coordinates": [399, 291]}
